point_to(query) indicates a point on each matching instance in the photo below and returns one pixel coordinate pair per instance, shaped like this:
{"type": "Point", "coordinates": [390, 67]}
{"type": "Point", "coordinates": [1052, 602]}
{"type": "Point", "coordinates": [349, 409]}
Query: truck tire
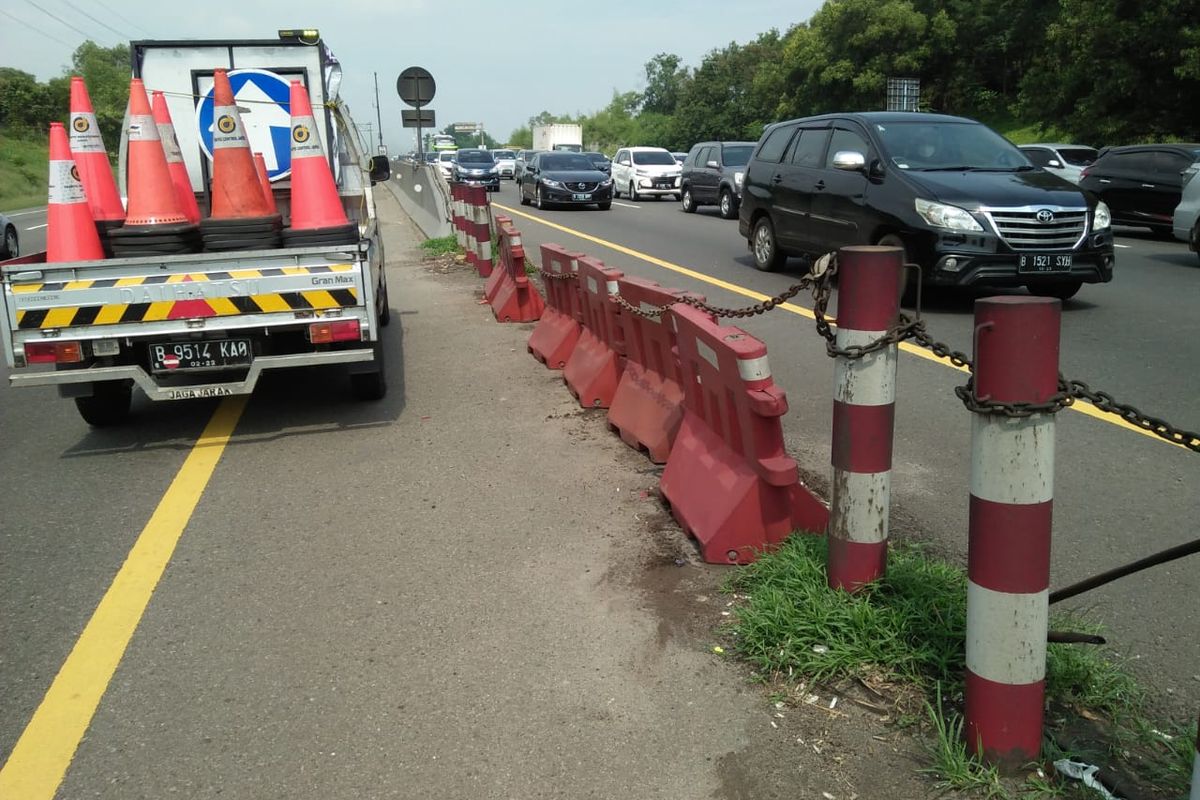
{"type": "Point", "coordinates": [369, 386]}
{"type": "Point", "coordinates": [108, 405]}
{"type": "Point", "coordinates": [385, 307]}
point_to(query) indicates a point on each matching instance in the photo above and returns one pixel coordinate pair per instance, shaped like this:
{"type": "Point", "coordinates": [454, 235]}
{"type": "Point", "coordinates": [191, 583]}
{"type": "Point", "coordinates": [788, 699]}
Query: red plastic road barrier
{"type": "Point", "coordinates": [516, 299]}
{"type": "Point", "coordinates": [479, 230]}
{"type": "Point", "coordinates": [554, 338]}
{"type": "Point", "coordinates": [864, 398]}
{"type": "Point", "coordinates": [1008, 548]}
{"type": "Point", "coordinates": [647, 408]}
{"type": "Point", "coordinates": [594, 368]}
{"type": "Point", "coordinates": [728, 479]}
{"type": "Point", "coordinates": [500, 272]}
{"type": "Point", "coordinates": [468, 206]}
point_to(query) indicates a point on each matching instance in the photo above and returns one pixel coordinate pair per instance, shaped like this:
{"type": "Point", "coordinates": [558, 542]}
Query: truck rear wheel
{"type": "Point", "coordinates": [372, 385]}
{"type": "Point", "coordinates": [108, 405]}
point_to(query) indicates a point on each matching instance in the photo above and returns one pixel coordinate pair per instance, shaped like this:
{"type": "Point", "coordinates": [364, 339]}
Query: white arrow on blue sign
{"type": "Point", "coordinates": [264, 102]}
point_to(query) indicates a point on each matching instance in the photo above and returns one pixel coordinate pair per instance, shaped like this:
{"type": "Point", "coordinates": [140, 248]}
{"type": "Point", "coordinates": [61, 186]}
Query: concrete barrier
{"type": "Point", "coordinates": [424, 196]}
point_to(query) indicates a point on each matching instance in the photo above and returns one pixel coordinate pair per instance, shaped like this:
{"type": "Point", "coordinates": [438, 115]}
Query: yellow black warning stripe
{"type": "Point", "coordinates": [113, 314]}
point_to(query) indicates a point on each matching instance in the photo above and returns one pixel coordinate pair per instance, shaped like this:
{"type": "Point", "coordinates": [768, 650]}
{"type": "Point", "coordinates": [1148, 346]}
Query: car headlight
{"type": "Point", "coordinates": [1101, 217]}
{"type": "Point", "coordinates": [552, 184]}
{"type": "Point", "coordinates": [606, 182]}
{"type": "Point", "coordinates": [641, 172]}
{"type": "Point", "coordinates": [738, 177]}
{"type": "Point", "coordinates": [949, 217]}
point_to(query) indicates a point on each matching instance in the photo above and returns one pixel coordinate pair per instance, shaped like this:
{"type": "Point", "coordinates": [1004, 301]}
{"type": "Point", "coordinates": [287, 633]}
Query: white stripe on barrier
{"type": "Point", "coordinates": [754, 369]}
{"type": "Point", "coordinates": [866, 381]}
{"type": "Point", "coordinates": [1012, 460]}
{"type": "Point", "coordinates": [591, 284]}
{"type": "Point", "coordinates": [485, 250]}
{"type": "Point", "coordinates": [1006, 634]}
{"type": "Point", "coordinates": [650, 310]}
{"type": "Point", "coordinates": [708, 354]}
{"type": "Point", "coordinates": [611, 286]}
{"type": "Point", "coordinates": [859, 504]}
{"type": "Point", "coordinates": [574, 265]}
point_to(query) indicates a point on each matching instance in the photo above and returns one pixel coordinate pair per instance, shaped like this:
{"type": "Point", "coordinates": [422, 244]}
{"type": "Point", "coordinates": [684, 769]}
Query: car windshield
{"type": "Point", "coordinates": [921, 145]}
{"type": "Point", "coordinates": [737, 156]}
{"type": "Point", "coordinates": [653, 158]}
{"type": "Point", "coordinates": [504, 154]}
{"type": "Point", "coordinates": [1078, 156]}
{"type": "Point", "coordinates": [445, 156]}
{"type": "Point", "coordinates": [566, 162]}
{"type": "Point", "coordinates": [475, 157]}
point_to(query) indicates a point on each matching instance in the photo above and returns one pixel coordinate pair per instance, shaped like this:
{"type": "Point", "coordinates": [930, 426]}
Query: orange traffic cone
{"type": "Point", "coordinates": [236, 192]}
{"type": "Point", "coordinates": [70, 230]}
{"type": "Point", "coordinates": [317, 211]}
{"type": "Point", "coordinates": [175, 165]}
{"type": "Point", "coordinates": [152, 198]}
{"type": "Point", "coordinates": [260, 166]}
{"type": "Point", "coordinates": [87, 147]}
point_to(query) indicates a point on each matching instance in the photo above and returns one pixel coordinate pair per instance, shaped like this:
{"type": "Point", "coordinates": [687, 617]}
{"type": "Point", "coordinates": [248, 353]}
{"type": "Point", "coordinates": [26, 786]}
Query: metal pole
{"type": "Point", "coordinates": [864, 396]}
{"type": "Point", "coordinates": [420, 138]}
{"type": "Point", "coordinates": [1008, 546]}
{"type": "Point", "coordinates": [378, 112]}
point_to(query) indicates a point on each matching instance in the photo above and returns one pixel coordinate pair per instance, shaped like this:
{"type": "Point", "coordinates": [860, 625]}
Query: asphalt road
{"type": "Point", "coordinates": [31, 228]}
{"type": "Point", "coordinates": [1120, 495]}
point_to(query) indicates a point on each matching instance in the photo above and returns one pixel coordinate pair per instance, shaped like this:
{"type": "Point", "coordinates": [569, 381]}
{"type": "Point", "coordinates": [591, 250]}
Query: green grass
{"type": "Point", "coordinates": [910, 627]}
{"type": "Point", "coordinates": [24, 170]}
{"type": "Point", "coordinates": [442, 246]}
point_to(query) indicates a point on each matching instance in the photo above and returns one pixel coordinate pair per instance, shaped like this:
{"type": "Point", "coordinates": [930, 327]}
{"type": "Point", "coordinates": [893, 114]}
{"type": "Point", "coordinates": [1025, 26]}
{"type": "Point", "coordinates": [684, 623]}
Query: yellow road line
{"type": "Point", "coordinates": [40, 759]}
{"type": "Point", "coordinates": [1082, 407]}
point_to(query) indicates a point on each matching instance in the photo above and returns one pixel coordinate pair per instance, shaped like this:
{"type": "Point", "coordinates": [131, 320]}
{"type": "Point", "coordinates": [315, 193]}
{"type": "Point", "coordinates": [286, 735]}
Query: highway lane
{"type": "Point", "coordinates": [31, 228]}
{"type": "Point", "coordinates": [1119, 494]}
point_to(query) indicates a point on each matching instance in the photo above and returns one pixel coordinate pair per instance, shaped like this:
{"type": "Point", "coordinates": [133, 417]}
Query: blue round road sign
{"type": "Point", "coordinates": [264, 102]}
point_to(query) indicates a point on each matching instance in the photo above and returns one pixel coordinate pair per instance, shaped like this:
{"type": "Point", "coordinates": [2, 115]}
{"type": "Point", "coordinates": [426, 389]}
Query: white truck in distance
{"type": "Point", "coordinates": [209, 324]}
{"type": "Point", "coordinates": [559, 136]}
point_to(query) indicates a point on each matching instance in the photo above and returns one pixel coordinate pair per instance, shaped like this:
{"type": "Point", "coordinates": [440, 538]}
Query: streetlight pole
{"type": "Point", "coordinates": [378, 113]}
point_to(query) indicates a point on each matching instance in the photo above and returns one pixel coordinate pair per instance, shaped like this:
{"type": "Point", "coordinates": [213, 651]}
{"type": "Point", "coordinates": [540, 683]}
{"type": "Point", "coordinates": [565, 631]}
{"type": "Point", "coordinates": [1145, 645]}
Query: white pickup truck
{"type": "Point", "coordinates": [209, 324]}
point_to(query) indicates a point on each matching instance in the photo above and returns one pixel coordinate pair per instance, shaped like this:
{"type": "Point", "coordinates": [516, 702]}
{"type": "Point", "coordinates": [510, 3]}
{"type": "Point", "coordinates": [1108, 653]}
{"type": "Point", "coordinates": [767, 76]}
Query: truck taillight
{"type": "Point", "coordinates": [53, 352]}
{"type": "Point", "coordinates": [343, 330]}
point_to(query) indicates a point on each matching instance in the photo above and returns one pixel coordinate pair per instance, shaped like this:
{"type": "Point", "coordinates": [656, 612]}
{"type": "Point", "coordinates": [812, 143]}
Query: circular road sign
{"type": "Point", "coordinates": [415, 86]}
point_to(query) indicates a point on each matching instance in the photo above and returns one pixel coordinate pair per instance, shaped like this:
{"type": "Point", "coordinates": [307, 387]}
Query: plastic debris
{"type": "Point", "coordinates": [719, 650]}
{"type": "Point", "coordinates": [820, 649]}
{"type": "Point", "coordinates": [1085, 773]}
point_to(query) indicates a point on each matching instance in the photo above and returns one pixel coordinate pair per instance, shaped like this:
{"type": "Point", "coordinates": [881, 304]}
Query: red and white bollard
{"type": "Point", "coordinates": [457, 191]}
{"type": "Point", "coordinates": [863, 417]}
{"type": "Point", "coordinates": [1008, 559]}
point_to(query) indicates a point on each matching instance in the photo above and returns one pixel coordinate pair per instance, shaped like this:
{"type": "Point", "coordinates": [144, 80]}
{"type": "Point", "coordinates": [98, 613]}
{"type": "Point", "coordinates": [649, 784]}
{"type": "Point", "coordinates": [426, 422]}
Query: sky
{"type": "Point", "coordinates": [494, 63]}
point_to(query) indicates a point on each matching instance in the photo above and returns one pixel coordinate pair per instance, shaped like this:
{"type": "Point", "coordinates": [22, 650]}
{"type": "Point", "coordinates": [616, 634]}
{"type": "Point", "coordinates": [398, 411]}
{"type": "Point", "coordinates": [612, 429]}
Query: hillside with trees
{"type": "Point", "coordinates": [1094, 71]}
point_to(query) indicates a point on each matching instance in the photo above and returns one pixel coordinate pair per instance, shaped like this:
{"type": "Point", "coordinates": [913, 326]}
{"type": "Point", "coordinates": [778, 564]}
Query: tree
{"type": "Point", "coordinates": [466, 140]}
{"type": "Point", "coordinates": [1116, 72]}
{"type": "Point", "coordinates": [732, 94]}
{"type": "Point", "coordinates": [521, 138]}
{"type": "Point", "coordinates": [665, 81]}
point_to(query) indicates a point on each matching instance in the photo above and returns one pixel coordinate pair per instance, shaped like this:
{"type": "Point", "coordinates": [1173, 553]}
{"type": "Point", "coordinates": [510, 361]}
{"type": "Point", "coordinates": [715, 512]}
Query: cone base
{"type": "Point", "coordinates": [250, 224]}
{"type": "Point", "coordinates": [314, 237]}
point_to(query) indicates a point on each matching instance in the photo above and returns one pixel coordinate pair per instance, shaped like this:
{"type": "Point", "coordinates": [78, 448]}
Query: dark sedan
{"type": "Point", "coordinates": [557, 178]}
{"type": "Point", "coordinates": [477, 168]}
{"type": "Point", "coordinates": [1142, 183]}
{"type": "Point", "coordinates": [601, 162]}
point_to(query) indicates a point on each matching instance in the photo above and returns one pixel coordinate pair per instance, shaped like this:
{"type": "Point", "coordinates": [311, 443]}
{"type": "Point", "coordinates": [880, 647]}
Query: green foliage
{"type": "Point", "coordinates": [1107, 72]}
{"type": "Point", "coordinates": [470, 139]}
{"type": "Point", "coordinates": [952, 763]}
{"type": "Point", "coordinates": [441, 246]}
{"type": "Point", "coordinates": [521, 138]}
{"type": "Point", "coordinates": [23, 173]}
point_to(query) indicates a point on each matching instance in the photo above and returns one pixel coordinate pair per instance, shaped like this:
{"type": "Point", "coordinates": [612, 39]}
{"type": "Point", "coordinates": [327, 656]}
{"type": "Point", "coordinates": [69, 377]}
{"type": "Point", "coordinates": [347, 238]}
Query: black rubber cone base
{"type": "Point", "coordinates": [317, 237]}
{"type": "Point", "coordinates": [249, 224]}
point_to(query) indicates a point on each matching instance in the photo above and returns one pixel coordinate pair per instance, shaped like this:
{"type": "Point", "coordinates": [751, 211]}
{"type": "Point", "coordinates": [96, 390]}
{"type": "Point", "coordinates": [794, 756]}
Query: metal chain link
{"type": "Point", "coordinates": [558, 276]}
{"type": "Point", "coordinates": [907, 328]}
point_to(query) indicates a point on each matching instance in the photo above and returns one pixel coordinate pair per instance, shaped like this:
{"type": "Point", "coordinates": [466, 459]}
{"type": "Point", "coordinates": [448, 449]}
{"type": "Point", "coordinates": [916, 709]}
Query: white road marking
{"type": "Point", "coordinates": [625, 205]}
{"type": "Point", "coordinates": [1122, 245]}
{"type": "Point", "coordinates": [25, 213]}
{"type": "Point", "coordinates": [35, 227]}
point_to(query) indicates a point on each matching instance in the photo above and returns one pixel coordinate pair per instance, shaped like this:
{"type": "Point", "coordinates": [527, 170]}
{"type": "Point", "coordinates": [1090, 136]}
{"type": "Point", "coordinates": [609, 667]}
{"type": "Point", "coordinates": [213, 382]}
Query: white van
{"type": "Point", "coordinates": [639, 172]}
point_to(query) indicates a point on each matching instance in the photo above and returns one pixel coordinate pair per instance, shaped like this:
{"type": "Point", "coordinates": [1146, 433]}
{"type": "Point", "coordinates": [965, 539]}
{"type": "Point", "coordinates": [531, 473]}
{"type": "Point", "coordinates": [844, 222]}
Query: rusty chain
{"type": "Point", "coordinates": [913, 329]}
{"type": "Point", "coordinates": [557, 276]}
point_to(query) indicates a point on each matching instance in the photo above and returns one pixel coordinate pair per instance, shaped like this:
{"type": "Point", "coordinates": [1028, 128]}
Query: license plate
{"type": "Point", "coordinates": [581, 197]}
{"type": "Point", "coordinates": [1031, 262]}
{"type": "Point", "coordinates": [210, 354]}
{"type": "Point", "coordinates": [665, 185]}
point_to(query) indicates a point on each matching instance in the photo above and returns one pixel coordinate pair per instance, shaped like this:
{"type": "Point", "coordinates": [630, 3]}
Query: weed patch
{"type": "Point", "coordinates": [442, 246]}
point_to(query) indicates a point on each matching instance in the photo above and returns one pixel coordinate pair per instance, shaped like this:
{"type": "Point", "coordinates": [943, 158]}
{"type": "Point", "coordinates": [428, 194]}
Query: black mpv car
{"type": "Point", "coordinates": [1142, 183]}
{"type": "Point", "coordinates": [563, 178]}
{"type": "Point", "coordinates": [961, 200]}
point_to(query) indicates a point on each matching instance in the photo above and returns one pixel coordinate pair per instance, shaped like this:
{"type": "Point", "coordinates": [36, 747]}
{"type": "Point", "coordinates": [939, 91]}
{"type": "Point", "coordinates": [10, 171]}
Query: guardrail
{"type": "Point", "coordinates": [425, 196]}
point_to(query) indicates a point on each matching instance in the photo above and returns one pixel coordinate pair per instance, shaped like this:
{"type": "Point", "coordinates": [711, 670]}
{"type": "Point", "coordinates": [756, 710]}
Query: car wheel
{"type": "Point", "coordinates": [1063, 290]}
{"type": "Point", "coordinates": [633, 195]}
{"type": "Point", "coordinates": [539, 201]}
{"type": "Point", "coordinates": [1162, 231]}
{"type": "Point", "coordinates": [689, 202]}
{"type": "Point", "coordinates": [521, 195]}
{"type": "Point", "coordinates": [616, 191]}
{"type": "Point", "coordinates": [728, 205]}
{"type": "Point", "coordinates": [11, 248]}
{"type": "Point", "coordinates": [108, 405]}
{"type": "Point", "coordinates": [1196, 239]}
{"type": "Point", "coordinates": [767, 257]}
{"type": "Point", "coordinates": [908, 278]}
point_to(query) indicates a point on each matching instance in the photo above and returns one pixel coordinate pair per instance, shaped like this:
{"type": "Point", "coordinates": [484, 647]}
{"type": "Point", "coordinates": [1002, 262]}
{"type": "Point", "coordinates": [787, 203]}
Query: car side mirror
{"type": "Point", "coordinates": [849, 160]}
{"type": "Point", "coordinates": [712, 165]}
{"type": "Point", "coordinates": [381, 169]}
{"type": "Point", "coordinates": [1054, 162]}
